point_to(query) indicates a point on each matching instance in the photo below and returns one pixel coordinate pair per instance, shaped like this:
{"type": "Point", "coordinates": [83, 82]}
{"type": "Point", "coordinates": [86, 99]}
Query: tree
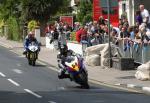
{"type": "Point", "coordinates": [84, 10]}
{"type": "Point", "coordinates": [9, 13]}
{"type": "Point", "coordinates": [41, 10]}
{"type": "Point", "coordinates": [9, 8]}
{"type": "Point", "coordinates": [26, 10]}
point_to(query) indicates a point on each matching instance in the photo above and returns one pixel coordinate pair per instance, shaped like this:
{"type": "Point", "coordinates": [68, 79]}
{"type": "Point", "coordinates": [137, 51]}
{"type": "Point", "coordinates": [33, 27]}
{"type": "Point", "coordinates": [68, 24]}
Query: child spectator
{"type": "Point", "coordinates": [138, 18]}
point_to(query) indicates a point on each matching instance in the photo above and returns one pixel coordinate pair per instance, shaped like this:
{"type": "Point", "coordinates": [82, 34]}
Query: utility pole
{"type": "Point", "coordinates": [108, 11]}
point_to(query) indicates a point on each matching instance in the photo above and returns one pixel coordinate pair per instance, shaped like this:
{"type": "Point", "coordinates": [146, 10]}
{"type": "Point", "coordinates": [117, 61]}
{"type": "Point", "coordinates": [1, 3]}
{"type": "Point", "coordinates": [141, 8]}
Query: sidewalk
{"type": "Point", "coordinates": [99, 74]}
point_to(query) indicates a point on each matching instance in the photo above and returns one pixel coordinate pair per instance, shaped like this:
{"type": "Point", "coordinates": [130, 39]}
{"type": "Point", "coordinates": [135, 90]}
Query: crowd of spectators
{"type": "Point", "coordinates": [96, 32]}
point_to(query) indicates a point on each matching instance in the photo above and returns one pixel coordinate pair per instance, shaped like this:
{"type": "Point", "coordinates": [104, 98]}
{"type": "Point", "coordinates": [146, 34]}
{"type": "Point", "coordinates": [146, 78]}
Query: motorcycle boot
{"type": "Point", "coordinates": [24, 52]}
{"type": "Point", "coordinates": [62, 74]}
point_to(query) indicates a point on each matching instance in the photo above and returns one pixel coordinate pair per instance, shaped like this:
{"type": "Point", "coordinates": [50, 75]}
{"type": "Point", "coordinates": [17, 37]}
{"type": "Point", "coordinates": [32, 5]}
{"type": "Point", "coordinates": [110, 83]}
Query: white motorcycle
{"type": "Point", "coordinates": [32, 53]}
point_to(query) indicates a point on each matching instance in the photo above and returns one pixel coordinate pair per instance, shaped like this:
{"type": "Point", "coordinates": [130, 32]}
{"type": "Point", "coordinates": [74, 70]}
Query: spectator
{"type": "Point", "coordinates": [124, 15]}
{"type": "Point", "coordinates": [94, 27]}
{"type": "Point", "coordinates": [145, 38]}
{"type": "Point", "coordinates": [131, 32]}
{"type": "Point", "coordinates": [138, 18]}
{"type": "Point", "coordinates": [124, 33]}
{"type": "Point", "coordinates": [68, 30]}
{"type": "Point", "coordinates": [125, 23]}
{"type": "Point", "coordinates": [120, 23]}
{"type": "Point", "coordinates": [78, 34]}
{"type": "Point", "coordinates": [136, 31]}
{"type": "Point", "coordinates": [101, 20]}
{"type": "Point", "coordinates": [142, 30]}
{"type": "Point", "coordinates": [56, 25]}
{"type": "Point", "coordinates": [114, 34]}
{"type": "Point", "coordinates": [47, 29]}
{"type": "Point", "coordinates": [118, 30]}
{"type": "Point", "coordinates": [84, 34]}
{"type": "Point", "coordinates": [145, 15]}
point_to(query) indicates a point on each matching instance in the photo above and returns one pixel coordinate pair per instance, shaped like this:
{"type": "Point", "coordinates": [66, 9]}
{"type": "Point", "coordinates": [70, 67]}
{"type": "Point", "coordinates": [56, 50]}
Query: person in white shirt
{"type": "Point", "coordinates": [145, 15]}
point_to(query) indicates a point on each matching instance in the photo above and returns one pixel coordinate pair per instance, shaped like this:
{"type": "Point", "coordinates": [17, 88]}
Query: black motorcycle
{"type": "Point", "coordinates": [32, 53]}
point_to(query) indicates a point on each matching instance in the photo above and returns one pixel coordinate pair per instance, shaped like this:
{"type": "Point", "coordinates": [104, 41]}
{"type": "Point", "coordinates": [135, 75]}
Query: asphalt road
{"type": "Point", "coordinates": [21, 83]}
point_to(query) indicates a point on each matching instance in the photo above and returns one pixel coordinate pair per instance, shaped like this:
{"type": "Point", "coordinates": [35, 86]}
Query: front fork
{"type": "Point", "coordinates": [30, 55]}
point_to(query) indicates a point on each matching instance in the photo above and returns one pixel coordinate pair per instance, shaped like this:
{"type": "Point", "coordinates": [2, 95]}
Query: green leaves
{"type": "Point", "coordinates": [25, 10]}
{"type": "Point", "coordinates": [84, 11]}
{"type": "Point", "coordinates": [13, 29]}
{"type": "Point", "coordinates": [31, 9]}
{"type": "Point", "coordinates": [41, 9]}
{"type": "Point", "coordinates": [8, 8]}
{"type": "Point", "coordinates": [32, 25]}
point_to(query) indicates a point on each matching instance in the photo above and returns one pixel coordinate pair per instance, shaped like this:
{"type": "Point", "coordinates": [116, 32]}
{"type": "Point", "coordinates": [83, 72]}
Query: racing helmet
{"type": "Point", "coordinates": [31, 35]}
{"type": "Point", "coordinates": [63, 49]}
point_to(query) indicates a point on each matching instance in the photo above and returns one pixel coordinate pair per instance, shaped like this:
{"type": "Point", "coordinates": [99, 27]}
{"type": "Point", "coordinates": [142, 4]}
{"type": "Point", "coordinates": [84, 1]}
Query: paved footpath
{"type": "Point", "coordinates": [97, 74]}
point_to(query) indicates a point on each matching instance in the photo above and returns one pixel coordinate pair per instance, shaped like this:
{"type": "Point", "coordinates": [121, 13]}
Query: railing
{"type": "Point", "coordinates": [134, 49]}
{"type": "Point", "coordinates": [131, 48]}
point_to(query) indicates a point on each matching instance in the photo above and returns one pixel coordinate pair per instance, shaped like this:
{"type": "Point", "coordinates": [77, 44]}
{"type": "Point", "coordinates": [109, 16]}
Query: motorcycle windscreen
{"type": "Point", "coordinates": [73, 65]}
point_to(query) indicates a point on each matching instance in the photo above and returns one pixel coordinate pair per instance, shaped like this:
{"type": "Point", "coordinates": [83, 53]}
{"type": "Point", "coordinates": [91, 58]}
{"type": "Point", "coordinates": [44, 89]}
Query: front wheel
{"type": "Point", "coordinates": [29, 62]}
{"type": "Point", "coordinates": [82, 79]}
{"type": "Point", "coordinates": [33, 63]}
{"type": "Point", "coordinates": [32, 58]}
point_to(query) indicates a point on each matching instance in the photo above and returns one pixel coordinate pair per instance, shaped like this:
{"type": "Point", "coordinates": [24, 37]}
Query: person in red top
{"type": "Point", "coordinates": [78, 34]}
{"type": "Point", "coordinates": [81, 34]}
{"type": "Point", "coordinates": [47, 29]}
{"type": "Point", "coordinates": [84, 34]}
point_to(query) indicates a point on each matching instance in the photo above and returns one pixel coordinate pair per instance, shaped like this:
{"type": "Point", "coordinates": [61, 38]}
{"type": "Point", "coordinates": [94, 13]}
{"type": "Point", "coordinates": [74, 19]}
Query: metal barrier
{"type": "Point", "coordinates": [137, 53]}
{"type": "Point", "coordinates": [145, 54]}
{"type": "Point", "coordinates": [140, 52]}
{"type": "Point", "coordinates": [105, 38]}
{"type": "Point", "coordinates": [129, 48]}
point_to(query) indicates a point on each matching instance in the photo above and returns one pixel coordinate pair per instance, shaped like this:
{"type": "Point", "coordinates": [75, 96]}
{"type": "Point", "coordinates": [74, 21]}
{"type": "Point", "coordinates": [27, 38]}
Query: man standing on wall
{"type": "Point", "coordinates": [145, 15]}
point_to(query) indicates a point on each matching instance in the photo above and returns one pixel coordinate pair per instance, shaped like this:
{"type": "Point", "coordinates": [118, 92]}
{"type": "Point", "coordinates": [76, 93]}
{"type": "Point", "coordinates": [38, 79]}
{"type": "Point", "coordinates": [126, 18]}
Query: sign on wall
{"type": "Point", "coordinates": [67, 19]}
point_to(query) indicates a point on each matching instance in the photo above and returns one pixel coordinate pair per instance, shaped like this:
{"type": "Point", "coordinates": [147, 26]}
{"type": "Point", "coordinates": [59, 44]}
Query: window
{"type": "Point", "coordinates": [112, 11]}
{"type": "Point", "coordinates": [123, 7]}
{"type": "Point", "coordinates": [113, 3]}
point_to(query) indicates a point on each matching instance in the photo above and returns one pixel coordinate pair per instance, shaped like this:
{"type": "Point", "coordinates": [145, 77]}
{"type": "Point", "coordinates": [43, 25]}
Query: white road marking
{"type": "Point", "coordinates": [61, 88]}
{"type": "Point", "coordinates": [146, 89]}
{"type": "Point", "coordinates": [19, 65]}
{"type": "Point", "coordinates": [53, 68]}
{"type": "Point", "coordinates": [131, 85]}
{"type": "Point", "coordinates": [21, 56]}
{"type": "Point", "coordinates": [118, 84]}
{"type": "Point", "coordinates": [13, 82]}
{"type": "Point", "coordinates": [29, 91]}
{"type": "Point", "coordinates": [17, 71]}
{"type": "Point", "coordinates": [51, 102]}
{"type": "Point", "coordinates": [3, 75]}
{"type": "Point", "coordinates": [112, 86]}
{"type": "Point", "coordinates": [41, 62]}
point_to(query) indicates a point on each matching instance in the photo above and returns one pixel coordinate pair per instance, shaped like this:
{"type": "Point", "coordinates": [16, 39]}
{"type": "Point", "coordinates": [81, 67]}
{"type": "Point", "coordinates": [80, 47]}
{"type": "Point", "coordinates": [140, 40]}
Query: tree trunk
{"type": "Point", "coordinates": [42, 27]}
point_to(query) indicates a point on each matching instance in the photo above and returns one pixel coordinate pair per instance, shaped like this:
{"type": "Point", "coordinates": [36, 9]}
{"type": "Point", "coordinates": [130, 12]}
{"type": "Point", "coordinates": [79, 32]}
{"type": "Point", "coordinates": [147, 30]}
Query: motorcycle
{"type": "Point", "coordinates": [76, 70]}
{"type": "Point", "coordinates": [32, 53]}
